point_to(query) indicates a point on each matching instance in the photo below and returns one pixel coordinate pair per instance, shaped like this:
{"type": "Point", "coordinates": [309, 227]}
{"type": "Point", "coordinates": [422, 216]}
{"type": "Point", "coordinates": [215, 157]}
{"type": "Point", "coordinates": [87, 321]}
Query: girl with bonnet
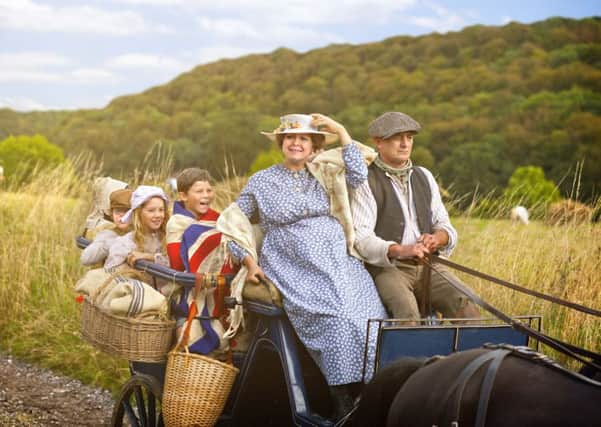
{"type": "Point", "coordinates": [148, 216]}
{"type": "Point", "coordinates": [307, 250]}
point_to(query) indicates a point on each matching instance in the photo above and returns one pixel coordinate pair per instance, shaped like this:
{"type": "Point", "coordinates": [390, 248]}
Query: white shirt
{"type": "Point", "coordinates": [365, 213]}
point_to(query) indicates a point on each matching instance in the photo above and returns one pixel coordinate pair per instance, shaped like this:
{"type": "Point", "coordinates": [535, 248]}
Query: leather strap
{"type": "Point", "coordinates": [582, 308]}
{"type": "Point", "coordinates": [425, 303]}
{"type": "Point", "coordinates": [555, 344]}
{"type": "Point", "coordinates": [458, 387]}
{"type": "Point", "coordinates": [486, 388]}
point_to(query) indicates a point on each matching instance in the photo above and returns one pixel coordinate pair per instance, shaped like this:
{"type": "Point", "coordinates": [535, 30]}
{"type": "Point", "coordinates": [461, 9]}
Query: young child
{"type": "Point", "coordinates": [100, 214]}
{"type": "Point", "coordinates": [148, 215]}
{"type": "Point", "coordinates": [194, 245]}
{"type": "Point", "coordinates": [193, 218]}
{"type": "Point", "coordinates": [97, 251]}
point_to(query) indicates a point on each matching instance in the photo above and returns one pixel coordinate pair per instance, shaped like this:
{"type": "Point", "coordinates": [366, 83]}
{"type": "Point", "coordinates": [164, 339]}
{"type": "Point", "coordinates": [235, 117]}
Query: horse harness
{"type": "Point", "coordinates": [494, 359]}
{"type": "Point", "coordinates": [455, 392]}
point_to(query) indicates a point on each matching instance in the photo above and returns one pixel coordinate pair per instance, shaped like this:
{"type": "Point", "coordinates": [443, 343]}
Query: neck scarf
{"type": "Point", "coordinates": [399, 175]}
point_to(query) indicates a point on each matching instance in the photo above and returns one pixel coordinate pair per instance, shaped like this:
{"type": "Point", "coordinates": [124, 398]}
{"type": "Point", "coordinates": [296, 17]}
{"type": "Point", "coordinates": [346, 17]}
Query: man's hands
{"type": "Point", "coordinates": [426, 244]}
{"type": "Point", "coordinates": [417, 250]}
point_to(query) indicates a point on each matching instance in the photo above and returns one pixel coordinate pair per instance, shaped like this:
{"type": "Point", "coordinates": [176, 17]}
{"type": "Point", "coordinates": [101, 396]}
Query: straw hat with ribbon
{"type": "Point", "coordinates": [298, 123]}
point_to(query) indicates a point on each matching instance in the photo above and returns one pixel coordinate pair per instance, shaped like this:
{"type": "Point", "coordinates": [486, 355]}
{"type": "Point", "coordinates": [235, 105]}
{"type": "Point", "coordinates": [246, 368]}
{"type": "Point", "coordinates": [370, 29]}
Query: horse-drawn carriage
{"type": "Point", "coordinates": [279, 384]}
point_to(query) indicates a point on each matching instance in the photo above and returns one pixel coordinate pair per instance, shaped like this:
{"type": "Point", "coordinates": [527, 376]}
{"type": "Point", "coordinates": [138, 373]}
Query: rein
{"type": "Point", "coordinates": [567, 349]}
{"type": "Point", "coordinates": [582, 308]}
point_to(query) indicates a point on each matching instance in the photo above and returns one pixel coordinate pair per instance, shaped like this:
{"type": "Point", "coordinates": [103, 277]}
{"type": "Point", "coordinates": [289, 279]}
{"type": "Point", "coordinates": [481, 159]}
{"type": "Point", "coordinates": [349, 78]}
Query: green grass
{"type": "Point", "coordinates": [39, 265]}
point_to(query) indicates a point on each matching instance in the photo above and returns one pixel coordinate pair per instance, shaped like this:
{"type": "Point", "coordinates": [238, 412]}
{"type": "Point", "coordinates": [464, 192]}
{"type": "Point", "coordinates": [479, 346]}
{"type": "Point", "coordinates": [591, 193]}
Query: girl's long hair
{"type": "Point", "coordinates": [140, 231]}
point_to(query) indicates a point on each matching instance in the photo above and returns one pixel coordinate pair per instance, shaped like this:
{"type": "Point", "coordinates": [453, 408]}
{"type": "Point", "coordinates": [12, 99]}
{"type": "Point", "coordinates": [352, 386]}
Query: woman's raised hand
{"type": "Point", "coordinates": [327, 124]}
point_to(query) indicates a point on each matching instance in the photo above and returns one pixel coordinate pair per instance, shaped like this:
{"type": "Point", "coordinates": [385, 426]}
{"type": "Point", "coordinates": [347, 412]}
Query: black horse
{"type": "Point", "coordinates": [482, 387]}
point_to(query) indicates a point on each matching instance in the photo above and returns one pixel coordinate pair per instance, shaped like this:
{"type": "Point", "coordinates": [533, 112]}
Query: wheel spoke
{"type": "Point", "coordinates": [131, 416]}
{"type": "Point", "coordinates": [152, 418]}
{"type": "Point", "coordinates": [141, 404]}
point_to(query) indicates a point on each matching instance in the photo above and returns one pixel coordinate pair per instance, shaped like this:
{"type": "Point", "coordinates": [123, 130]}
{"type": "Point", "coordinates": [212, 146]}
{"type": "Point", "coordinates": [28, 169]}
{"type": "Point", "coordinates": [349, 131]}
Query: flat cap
{"type": "Point", "coordinates": [120, 199]}
{"type": "Point", "coordinates": [392, 123]}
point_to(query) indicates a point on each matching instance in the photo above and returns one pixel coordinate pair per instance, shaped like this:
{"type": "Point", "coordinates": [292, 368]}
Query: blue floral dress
{"type": "Point", "coordinates": [328, 294]}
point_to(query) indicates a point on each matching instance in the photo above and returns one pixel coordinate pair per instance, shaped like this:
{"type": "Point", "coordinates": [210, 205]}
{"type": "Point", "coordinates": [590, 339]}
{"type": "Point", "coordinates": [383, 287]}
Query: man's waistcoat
{"type": "Point", "coordinates": [390, 223]}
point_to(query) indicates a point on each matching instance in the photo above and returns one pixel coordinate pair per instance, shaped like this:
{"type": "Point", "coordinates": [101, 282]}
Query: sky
{"type": "Point", "coordinates": [82, 54]}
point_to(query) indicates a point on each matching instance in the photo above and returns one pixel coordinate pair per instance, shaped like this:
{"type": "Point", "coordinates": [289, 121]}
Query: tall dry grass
{"type": "Point", "coordinates": [39, 264]}
{"type": "Point", "coordinates": [561, 261]}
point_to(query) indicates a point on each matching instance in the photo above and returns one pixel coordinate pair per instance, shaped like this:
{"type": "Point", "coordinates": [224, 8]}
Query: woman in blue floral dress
{"type": "Point", "coordinates": [328, 294]}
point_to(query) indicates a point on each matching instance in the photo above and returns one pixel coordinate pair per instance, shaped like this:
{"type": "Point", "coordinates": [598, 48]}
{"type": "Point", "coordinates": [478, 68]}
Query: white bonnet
{"type": "Point", "coordinates": [140, 196]}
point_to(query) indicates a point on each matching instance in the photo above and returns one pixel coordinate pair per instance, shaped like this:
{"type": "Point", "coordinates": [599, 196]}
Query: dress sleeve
{"type": "Point", "coordinates": [99, 248]}
{"type": "Point", "coordinates": [119, 250]}
{"type": "Point", "coordinates": [356, 169]}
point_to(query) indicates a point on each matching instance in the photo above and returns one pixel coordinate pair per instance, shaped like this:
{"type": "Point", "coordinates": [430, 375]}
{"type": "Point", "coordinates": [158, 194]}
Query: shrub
{"type": "Point", "coordinates": [20, 155]}
{"type": "Point", "coordinates": [528, 187]}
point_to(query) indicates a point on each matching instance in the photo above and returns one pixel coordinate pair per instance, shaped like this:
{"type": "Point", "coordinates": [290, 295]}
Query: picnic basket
{"type": "Point", "coordinates": [134, 339]}
{"type": "Point", "coordinates": [196, 387]}
{"type": "Point", "coordinates": [129, 338]}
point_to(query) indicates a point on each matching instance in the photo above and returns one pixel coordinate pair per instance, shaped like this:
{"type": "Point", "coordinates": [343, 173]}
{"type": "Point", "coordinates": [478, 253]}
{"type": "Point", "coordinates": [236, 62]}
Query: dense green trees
{"type": "Point", "coordinates": [490, 99]}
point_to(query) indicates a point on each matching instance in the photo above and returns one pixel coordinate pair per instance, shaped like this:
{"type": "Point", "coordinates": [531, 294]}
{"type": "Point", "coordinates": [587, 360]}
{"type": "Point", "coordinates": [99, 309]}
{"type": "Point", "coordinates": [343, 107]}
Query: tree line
{"type": "Point", "coordinates": [490, 100]}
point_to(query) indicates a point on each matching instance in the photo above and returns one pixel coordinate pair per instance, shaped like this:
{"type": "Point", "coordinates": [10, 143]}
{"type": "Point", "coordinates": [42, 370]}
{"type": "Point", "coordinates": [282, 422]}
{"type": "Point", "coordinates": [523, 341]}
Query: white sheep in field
{"type": "Point", "coordinates": [519, 214]}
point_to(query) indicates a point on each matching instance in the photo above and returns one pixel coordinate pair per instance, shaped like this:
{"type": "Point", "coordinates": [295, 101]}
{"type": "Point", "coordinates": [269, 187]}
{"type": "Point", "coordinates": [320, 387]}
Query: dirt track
{"type": "Point", "coordinates": [32, 396]}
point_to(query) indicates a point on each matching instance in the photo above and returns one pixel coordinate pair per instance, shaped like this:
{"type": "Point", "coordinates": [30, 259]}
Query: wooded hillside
{"type": "Point", "coordinates": [489, 99]}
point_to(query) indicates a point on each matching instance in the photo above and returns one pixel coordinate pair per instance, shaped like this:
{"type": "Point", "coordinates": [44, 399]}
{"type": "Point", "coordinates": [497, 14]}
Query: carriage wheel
{"type": "Point", "coordinates": [139, 403]}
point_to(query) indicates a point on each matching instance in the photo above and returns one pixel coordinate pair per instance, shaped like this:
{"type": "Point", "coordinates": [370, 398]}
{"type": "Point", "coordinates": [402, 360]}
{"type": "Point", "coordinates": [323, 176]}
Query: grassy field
{"type": "Point", "coordinates": [39, 265]}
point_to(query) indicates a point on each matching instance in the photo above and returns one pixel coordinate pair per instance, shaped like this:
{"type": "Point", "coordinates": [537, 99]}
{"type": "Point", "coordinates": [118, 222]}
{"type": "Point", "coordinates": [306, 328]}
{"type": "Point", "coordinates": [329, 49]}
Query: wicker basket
{"type": "Point", "coordinates": [196, 389]}
{"type": "Point", "coordinates": [131, 339]}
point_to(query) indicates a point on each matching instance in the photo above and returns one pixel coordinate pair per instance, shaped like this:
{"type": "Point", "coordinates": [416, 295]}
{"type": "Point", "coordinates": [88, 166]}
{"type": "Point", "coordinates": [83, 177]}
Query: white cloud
{"type": "Point", "coordinates": [22, 104]}
{"type": "Point", "coordinates": [28, 76]}
{"type": "Point", "coordinates": [215, 52]}
{"type": "Point", "coordinates": [146, 61]}
{"type": "Point", "coordinates": [48, 67]}
{"type": "Point", "coordinates": [307, 12]}
{"type": "Point", "coordinates": [92, 76]}
{"type": "Point", "coordinates": [229, 28]}
{"type": "Point", "coordinates": [444, 20]}
{"type": "Point", "coordinates": [266, 37]}
{"type": "Point", "coordinates": [155, 2]}
{"type": "Point", "coordinates": [28, 15]}
{"type": "Point", "coordinates": [32, 59]}
{"type": "Point", "coordinates": [77, 76]}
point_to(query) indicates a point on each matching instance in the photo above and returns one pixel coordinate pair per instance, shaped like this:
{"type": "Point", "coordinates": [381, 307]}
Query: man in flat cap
{"type": "Point", "coordinates": [399, 218]}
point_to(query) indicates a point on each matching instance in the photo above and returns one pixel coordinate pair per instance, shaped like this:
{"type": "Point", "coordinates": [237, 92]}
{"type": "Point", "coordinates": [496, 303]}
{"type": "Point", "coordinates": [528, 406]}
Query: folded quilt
{"type": "Point", "coordinates": [122, 296]}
